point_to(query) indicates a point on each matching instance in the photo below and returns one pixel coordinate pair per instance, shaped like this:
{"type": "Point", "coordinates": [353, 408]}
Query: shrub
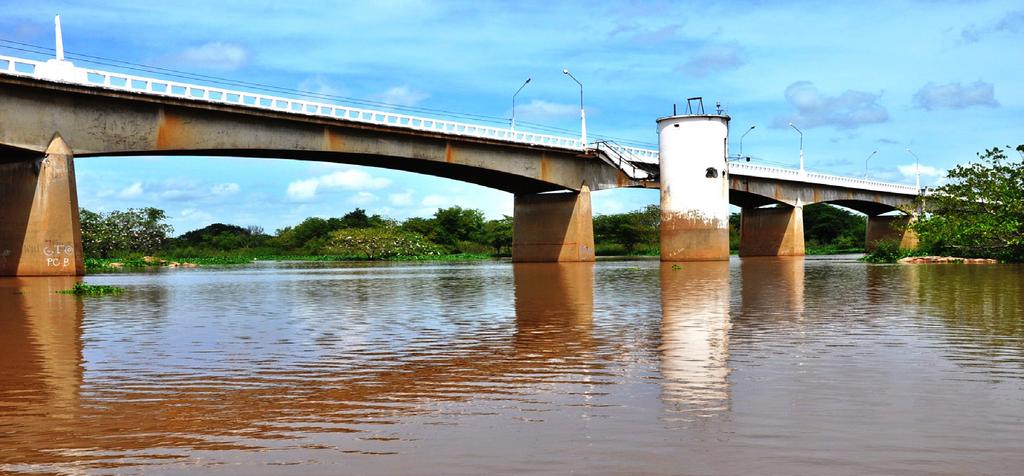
{"type": "Point", "coordinates": [379, 243]}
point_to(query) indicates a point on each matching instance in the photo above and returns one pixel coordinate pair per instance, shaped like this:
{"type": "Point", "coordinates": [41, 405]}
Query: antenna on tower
{"type": "Point", "coordinates": [60, 38]}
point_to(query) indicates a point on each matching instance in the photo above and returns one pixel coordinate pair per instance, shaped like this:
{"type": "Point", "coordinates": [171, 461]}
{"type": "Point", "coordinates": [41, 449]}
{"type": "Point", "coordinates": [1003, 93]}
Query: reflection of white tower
{"type": "Point", "coordinates": [694, 187]}
{"type": "Point", "coordinates": [695, 339]}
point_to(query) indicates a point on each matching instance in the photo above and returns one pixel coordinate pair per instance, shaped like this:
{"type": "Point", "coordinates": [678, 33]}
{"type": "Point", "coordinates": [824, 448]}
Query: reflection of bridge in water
{"type": "Point", "coordinates": [54, 110]}
{"type": "Point", "coordinates": [132, 413]}
{"type": "Point", "coordinates": [74, 395]}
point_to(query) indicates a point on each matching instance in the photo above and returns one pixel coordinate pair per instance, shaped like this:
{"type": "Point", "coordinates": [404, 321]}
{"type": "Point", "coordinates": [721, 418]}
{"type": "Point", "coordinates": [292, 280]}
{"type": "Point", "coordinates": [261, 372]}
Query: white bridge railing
{"type": "Point", "coordinates": [795, 175]}
{"type": "Point", "coordinates": [64, 71]}
{"type": "Point", "coordinates": [125, 82]}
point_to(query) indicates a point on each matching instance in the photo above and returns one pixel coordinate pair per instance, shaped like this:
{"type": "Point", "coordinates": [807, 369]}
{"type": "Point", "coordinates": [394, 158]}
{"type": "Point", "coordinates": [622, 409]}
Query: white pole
{"type": "Point", "coordinates": [583, 125]}
{"type": "Point", "coordinates": [917, 168]}
{"type": "Point", "coordinates": [798, 131]}
{"type": "Point", "coordinates": [583, 113]}
{"type": "Point", "coordinates": [60, 39]}
{"type": "Point", "coordinates": [514, 102]}
{"type": "Point", "coordinates": [866, 163]}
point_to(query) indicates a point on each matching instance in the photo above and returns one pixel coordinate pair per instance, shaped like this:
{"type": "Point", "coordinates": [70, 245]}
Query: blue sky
{"type": "Point", "coordinates": [943, 78]}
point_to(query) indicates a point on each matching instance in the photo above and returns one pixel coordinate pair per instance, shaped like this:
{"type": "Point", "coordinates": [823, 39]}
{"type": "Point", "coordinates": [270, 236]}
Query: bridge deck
{"type": "Point", "coordinates": [631, 160]}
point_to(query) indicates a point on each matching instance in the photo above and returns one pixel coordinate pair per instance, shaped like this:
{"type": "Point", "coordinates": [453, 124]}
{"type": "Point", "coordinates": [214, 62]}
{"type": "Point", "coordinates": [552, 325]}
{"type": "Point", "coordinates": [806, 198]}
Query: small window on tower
{"type": "Point", "coordinates": [711, 173]}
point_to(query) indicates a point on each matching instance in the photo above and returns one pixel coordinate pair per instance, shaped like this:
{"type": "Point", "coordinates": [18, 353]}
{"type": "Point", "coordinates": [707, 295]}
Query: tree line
{"type": "Point", "coordinates": [453, 230]}
{"type": "Point", "coordinates": [978, 212]}
{"type": "Point", "coordinates": [450, 231]}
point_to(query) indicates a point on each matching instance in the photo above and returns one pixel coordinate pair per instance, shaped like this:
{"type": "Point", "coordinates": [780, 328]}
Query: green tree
{"type": "Point", "coordinates": [498, 234]}
{"type": "Point", "coordinates": [358, 219]}
{"type": "Point", "coordinates": [423, 226]}
{"type": "Point", "coordinates": [734, 231]}
{"type": "Point", "coordinates": [979, 211]}
{"type": "Point", "coordinates": [379, 243]}
{"type": "Point", "coordinates": [221, 237]}
{"type": "Point", "coordinates": [629, 229]}
{"type": "Point", "coordinates": [826, 225]}
{"type": "Point", "coordinates": [123, 232]}
{"type": "Point", "coordinates": [456, 224]}
{"type": "Point", "coordinates": [313, 233]}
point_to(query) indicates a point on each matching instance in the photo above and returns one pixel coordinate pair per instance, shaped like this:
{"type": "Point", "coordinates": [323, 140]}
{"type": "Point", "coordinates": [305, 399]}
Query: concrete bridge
{"type": "Point", "coordinates": [52, 111]}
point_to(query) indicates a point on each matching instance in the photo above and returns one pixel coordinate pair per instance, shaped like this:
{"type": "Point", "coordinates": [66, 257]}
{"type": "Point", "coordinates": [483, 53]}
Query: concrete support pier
{"type": "Point", "coordinates": [40, 233]}
{"type": "Point", "coordinates": [553, 227]}
{"type": "Point", "coordinates": [893, 228]}
{"type": "Point", "coordinates": [772, 231]}
{"type": "Point", "coordinates": [694, 187]}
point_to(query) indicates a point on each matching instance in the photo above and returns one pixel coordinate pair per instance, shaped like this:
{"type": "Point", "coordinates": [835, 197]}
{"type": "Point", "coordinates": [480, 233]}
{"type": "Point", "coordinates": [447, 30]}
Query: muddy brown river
{"type": "Point", "coordinates": [761, 366]}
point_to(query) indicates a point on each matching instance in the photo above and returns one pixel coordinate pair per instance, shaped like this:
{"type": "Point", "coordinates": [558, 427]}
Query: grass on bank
{"type": "Point", "coordinates": [137, 262]}
{"type": "Point", "coordinates": [889, 251]}
{"type": "Point", "coordinates": [84, 289]}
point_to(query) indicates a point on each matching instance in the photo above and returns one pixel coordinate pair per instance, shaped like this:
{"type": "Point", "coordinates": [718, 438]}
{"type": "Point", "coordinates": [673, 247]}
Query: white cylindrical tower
{"type": "Point", "coordinates": [694, 187]}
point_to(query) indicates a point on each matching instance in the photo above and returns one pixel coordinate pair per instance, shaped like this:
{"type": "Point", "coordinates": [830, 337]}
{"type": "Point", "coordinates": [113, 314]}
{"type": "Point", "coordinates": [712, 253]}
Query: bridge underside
{"type": "Point", "coordinates": [772, 214]}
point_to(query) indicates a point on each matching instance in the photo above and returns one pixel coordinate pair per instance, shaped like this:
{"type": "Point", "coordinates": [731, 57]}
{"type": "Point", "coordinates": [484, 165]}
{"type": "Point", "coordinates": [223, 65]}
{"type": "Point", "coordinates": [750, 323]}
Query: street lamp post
{"type": "Point", "coordinates": [866, 163]}
{"type": "Point", "coordinates": [801, 146]}
{"type": "Point", "coordinates": [917, 168]}
{"type": "Point", "coordinates": [744, 135]}
{"type": "Point", "coordinates": [514, 101]}
{"type": "Point", "coordinates": [583, 113]}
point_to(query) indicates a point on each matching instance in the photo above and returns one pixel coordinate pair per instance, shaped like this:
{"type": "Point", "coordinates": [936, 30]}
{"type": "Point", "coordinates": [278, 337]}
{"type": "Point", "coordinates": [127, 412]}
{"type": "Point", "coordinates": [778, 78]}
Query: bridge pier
{"type": "Point", "coordinates": [694, 187]}
{"type": "Point", "coordinates": [772, 231]}
{"type": "Point", "coordinates": [553, 227]}
{"type": "Point", "coordinates": [893, 228]}
{"type": "Point", "coordinates": [40, 233]}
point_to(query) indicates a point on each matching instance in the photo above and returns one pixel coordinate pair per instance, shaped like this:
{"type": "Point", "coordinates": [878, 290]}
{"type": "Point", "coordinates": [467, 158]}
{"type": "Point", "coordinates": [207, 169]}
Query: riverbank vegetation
{"type": "Point", "coordinates": [828, 230]}
{"type": "Point", "coordinates": [139, 238]}
{"type": "Point", "coordinates": [978, 212]}
{"type": "Point", "coordinates": [83, 289]}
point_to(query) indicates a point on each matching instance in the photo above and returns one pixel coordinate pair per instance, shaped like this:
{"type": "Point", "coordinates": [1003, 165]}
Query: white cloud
{"type": "Point", "coordinates": [926, 171]}
{"type": "Point", "coordinates": [214, 55]}
{"type": "Point", "coordinates": [435, 201]}
{"type": "Point", "coordinates": [540, 109]}
{"type": "Point", "coordinates": [955, 95]}
{"type": "Point", "coordinates": [1012, 22]}
{"type": "Point", "coordinates": [401, 199]}
{"type": "Point", "coordinates": [303, 189]}
{"type": "Point", "coordinates": [319, 85]}
{"type": "Point", "coordinates": [132, 191]}
{"type": "Point", "coordinates": [608, 205]}
{"type": "Point", "coordinates": [353, 179]}
{"type": "Point", "coordinates": [349, 179]}
{"type": "Point", "coordinates": [403, 96]}
{"type": "Point", "coordinates": [714, 58]}
{"type": "Point", "coordinates": [363, 198]}
{"type": "Point", "coordinates": [646, 36]}
{"type": "Point", "coordinates": [192, 218]}
{"type": "Point", "coordinates": [225, 189]}
{"type": "Point", "coordinates": [846, 111]}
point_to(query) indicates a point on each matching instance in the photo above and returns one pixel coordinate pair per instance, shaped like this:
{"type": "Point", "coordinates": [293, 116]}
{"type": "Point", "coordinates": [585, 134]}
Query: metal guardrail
{"type": "Point", "coordinates": [126, 82]}
{"type": "Point", "coordinates": [634, 154]}
{"type": "Point", "coordinates": [795, 175]}
{"type": "Point", "coordinates": [623, 159]}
